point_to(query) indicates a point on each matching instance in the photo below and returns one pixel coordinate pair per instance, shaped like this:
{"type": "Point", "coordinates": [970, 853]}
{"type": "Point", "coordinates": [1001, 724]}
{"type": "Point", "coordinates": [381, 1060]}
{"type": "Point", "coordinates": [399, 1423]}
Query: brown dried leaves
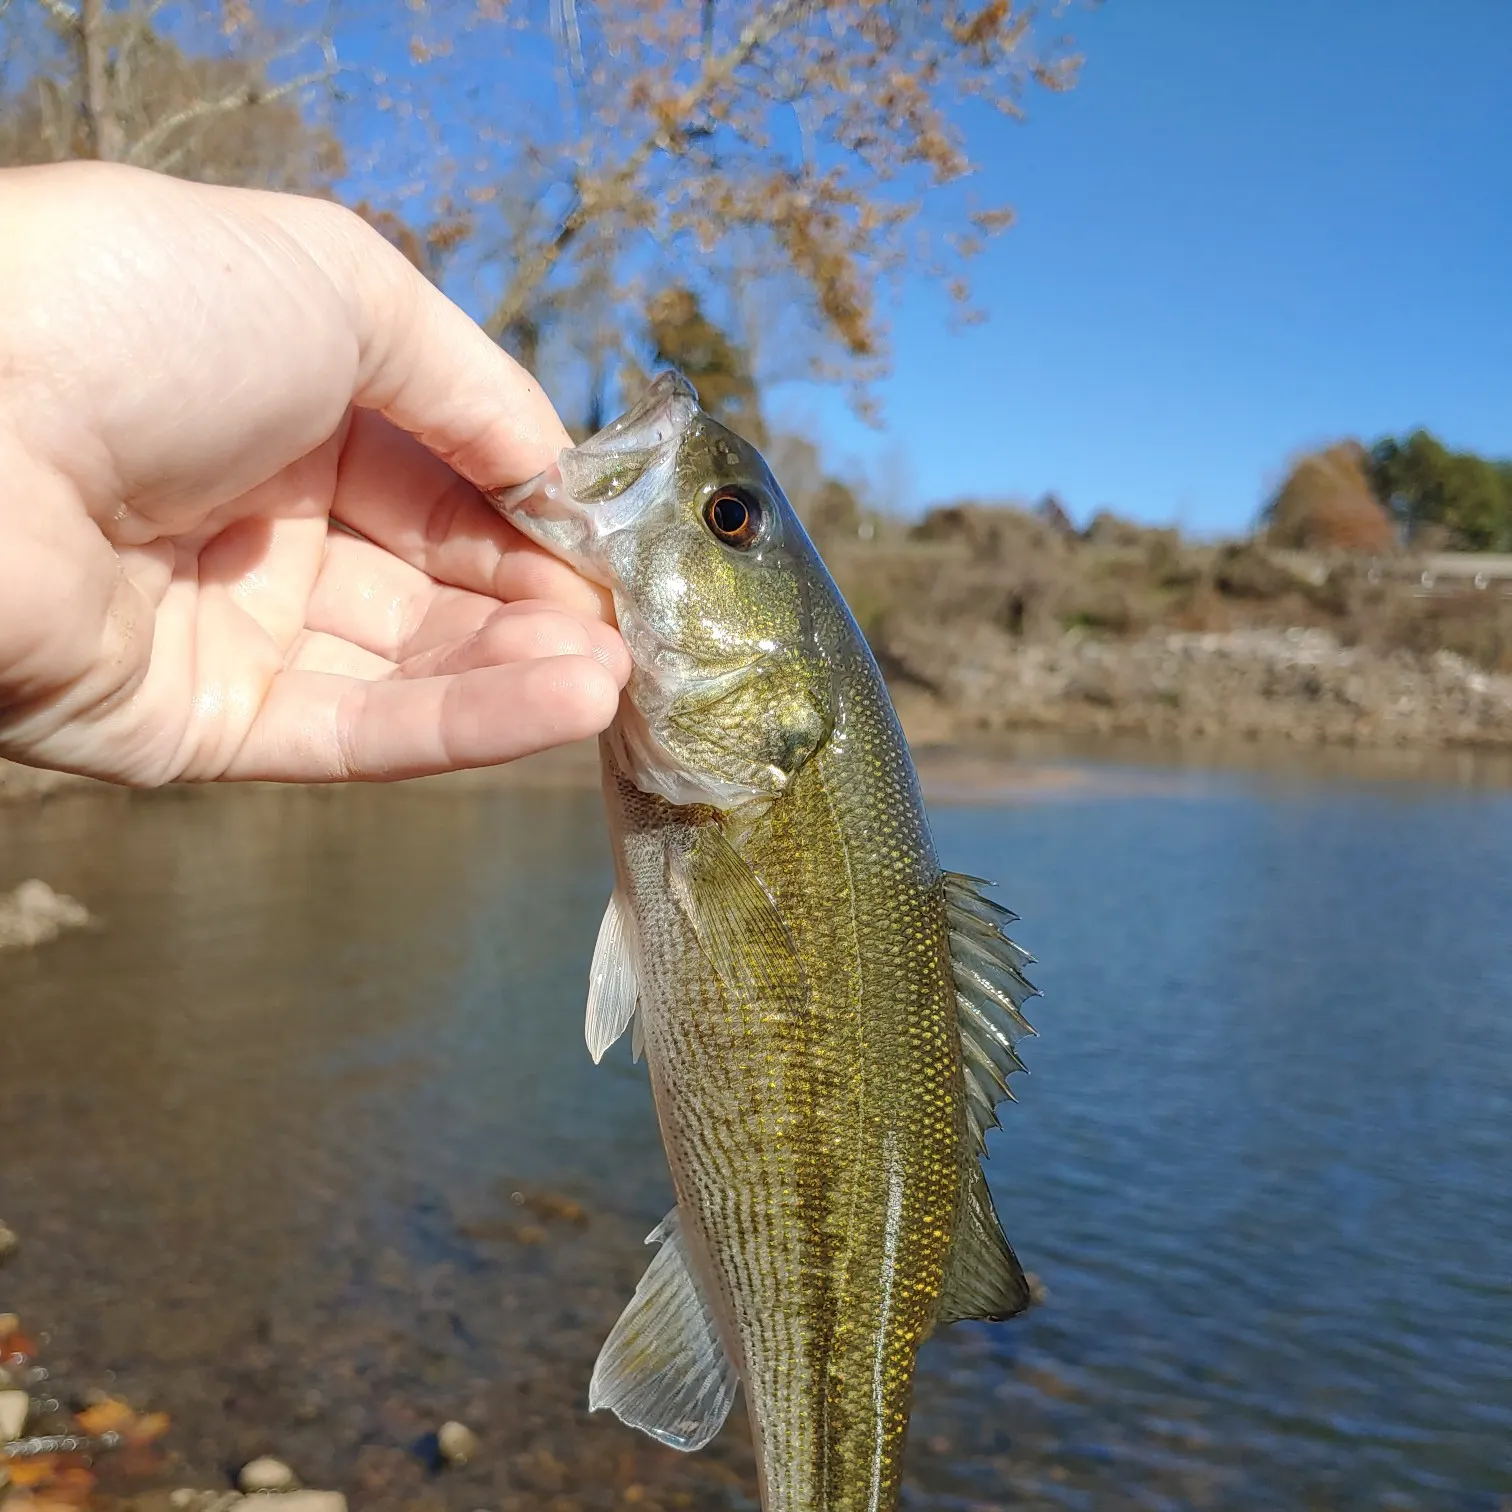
{"type": "Point", "coordinates": [816, 128]}
{"type": "Point", "coordinates": [51, 1468]}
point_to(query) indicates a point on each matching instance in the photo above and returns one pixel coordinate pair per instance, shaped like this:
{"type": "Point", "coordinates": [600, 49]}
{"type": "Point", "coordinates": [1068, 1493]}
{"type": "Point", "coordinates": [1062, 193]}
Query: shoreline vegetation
{"type": "Point", "coordinates": [995, 624]}
{"type": "Point", "coordinates": [991, 620]}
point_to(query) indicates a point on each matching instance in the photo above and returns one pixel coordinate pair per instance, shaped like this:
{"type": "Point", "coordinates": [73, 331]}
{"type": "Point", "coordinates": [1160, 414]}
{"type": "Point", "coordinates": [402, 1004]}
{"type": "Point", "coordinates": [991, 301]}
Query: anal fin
{"type": "Point", "coordinates": [664, 1368]}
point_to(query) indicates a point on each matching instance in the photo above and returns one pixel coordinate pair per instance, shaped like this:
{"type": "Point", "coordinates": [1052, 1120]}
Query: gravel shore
{"type": "Point", "coordinates": [1296, 685]}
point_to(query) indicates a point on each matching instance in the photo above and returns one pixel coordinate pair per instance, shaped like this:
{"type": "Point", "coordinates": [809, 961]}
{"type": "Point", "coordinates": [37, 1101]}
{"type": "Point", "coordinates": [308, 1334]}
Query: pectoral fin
{"type": "Point", "coordinates": [613, 987]}
{"type": "Point", "coordinates": [737, 923]}
{"type": "Point", "coordinates": [663, 1368]}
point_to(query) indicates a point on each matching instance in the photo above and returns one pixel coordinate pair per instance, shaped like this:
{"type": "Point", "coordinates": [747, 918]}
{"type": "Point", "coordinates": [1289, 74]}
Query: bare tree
{"type": "Point", "coordinates": [193, 89]}
{"type": "Point", "coordinates": [804, 144]}
{"type": "Point", "coordinates": [560, 164]}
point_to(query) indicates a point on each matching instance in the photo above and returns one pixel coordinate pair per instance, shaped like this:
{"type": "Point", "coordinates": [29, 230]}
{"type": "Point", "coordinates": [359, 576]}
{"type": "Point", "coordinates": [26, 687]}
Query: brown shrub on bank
{"type": "Point", "coordinates": [994, 531]}
{"type": "Point", "coordinates": [1327, 504]}
{"type": "Point", "coordinates": [1244, 571]}
{"type": "Point", "coordinates": [1477, 627]}
{"type": "Point", "coordinates": [970, 570]}
{"type": "Point", "coordinates": [1109, 529]}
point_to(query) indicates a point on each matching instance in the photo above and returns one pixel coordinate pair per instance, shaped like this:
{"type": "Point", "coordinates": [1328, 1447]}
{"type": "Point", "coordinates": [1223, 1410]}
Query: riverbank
{"type": "Point", "coordinates": [1005, 621]}
{"type": "Point", "coordinates": [1199, 693]}
{"type": "Point", "coordinates": [1298, 685]}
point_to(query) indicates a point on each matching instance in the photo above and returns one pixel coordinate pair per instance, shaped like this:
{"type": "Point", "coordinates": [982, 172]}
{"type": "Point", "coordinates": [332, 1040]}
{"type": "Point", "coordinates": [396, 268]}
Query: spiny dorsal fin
{"type": "Point", "coordinates": [991, 988]}
{"type": "Point", "coordinates": [737, 923]}
{"type": "Point", "coordinates": [983, 1278]}
{"type": "Point", "coordinates": [663, 1368]}
{"type": "Point", "coordinates": [613, 985]}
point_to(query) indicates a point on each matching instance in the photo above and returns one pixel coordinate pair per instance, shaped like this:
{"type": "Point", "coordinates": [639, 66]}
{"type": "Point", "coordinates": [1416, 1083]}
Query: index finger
{"type": "Point", "coordinates": [428, 368]}
{"type": "Point", "coordinates": [421, 360]}
{"type": "Point", "coordinates": [393, 492]}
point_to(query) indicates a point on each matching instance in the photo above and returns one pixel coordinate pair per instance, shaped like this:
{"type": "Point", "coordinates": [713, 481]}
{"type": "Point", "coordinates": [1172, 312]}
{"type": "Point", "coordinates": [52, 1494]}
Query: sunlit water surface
{"type": "Point", "coordinates": [293, 1142]}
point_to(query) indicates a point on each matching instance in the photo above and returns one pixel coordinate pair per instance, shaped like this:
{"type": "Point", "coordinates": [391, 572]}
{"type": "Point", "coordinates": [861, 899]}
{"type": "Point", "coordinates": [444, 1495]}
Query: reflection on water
{"type": "Point", "coordinates": [275, 1139]}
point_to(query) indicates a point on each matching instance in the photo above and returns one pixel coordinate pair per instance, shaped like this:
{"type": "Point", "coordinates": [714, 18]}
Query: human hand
{"type": "Point", "coordinates": [195, 383]}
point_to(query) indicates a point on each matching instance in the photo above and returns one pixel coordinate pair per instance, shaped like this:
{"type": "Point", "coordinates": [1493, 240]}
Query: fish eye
{"type": "Point", "coordinates": [735, 517]}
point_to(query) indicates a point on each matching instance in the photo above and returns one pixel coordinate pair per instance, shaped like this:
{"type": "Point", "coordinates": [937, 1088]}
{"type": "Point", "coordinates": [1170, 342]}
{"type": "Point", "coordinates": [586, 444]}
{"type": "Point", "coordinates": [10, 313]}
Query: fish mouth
{"type": "Point", "coordinates": [537, 501]}
{"type": "Point", "coordinates": [589, 492]}
{"type": "Point", "coordinates": [663, 413]}
{"type": "Point", "coordinates": [542, 510]}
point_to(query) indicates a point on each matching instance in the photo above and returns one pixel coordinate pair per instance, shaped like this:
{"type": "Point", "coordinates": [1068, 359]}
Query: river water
{"type": "Point", "coordinates": [304, 1147]}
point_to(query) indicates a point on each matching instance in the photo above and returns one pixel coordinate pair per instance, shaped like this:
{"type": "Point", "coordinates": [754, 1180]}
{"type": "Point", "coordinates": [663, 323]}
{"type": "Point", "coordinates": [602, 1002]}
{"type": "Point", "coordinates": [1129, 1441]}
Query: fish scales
{"type": "Point", "coordinates": [816, 1124]}
{"type": "Point", "coordinates": [786, 926]}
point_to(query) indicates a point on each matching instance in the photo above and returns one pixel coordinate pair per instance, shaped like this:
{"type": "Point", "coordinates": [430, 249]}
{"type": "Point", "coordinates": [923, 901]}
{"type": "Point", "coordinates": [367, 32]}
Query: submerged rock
{"type": "Point", "coordinates": [14, 1407]}
{"type": "Point", "coordinates": [186, 1499]}
{"type": "Point", "coordinates": [265, 1474]}
{"type": "Point", "coordinates": [456, 1442]}
{"type": "Point", "coordinates": [33, 914]}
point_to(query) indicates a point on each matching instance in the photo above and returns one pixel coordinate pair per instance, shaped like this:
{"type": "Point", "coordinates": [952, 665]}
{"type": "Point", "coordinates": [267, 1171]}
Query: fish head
{"type": "Point", "coordinates": [714, 583]}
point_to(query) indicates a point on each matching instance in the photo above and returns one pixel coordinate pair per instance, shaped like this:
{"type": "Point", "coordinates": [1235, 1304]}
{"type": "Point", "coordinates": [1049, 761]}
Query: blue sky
{"type": "Point", "coordinates": [1250, 228]}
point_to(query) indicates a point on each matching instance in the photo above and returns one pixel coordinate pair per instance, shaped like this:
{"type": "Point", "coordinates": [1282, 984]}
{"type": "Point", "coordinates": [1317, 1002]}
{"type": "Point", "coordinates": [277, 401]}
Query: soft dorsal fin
{"type": "Point", "coordinates": [983, 1278]}
{"type": "Point", "coordinates": [991, 989]}
{"type": "Point", "coordinates": [613, 984]}
{"type": "Point", "coordinates": [737, 923]}
{"type": "Point", "coordinates": [663, 1368]}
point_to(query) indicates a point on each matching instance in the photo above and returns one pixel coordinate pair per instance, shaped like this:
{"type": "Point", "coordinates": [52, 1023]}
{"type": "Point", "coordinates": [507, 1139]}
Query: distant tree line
{"type": "Point", "coordinates": [1435, 493]}
{"type": "Point", "coordinates": [1411, 491]}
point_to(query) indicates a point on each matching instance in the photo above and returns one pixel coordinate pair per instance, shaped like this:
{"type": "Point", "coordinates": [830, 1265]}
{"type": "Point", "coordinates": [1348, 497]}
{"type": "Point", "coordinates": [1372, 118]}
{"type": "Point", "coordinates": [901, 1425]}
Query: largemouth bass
{"type": "Point", "coordinates": [828, 1018]}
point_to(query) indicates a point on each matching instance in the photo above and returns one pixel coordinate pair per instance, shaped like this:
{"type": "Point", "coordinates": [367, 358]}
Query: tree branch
{"type": "Point", "coordinates": [715, 72]}
{"type": "Point", "coordinates": [239, 99]}
{"type": "Point", "coordinates": [107, 137]}
{"type": "Point", "coordinates": [64, 15]}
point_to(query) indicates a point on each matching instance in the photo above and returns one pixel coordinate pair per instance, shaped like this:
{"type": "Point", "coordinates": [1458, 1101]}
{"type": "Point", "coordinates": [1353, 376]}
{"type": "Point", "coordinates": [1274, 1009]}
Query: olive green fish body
{"type": "Point", "coordinates": [828, 1018]}
{"type": "Point", "coordinates": [819, 1147]}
